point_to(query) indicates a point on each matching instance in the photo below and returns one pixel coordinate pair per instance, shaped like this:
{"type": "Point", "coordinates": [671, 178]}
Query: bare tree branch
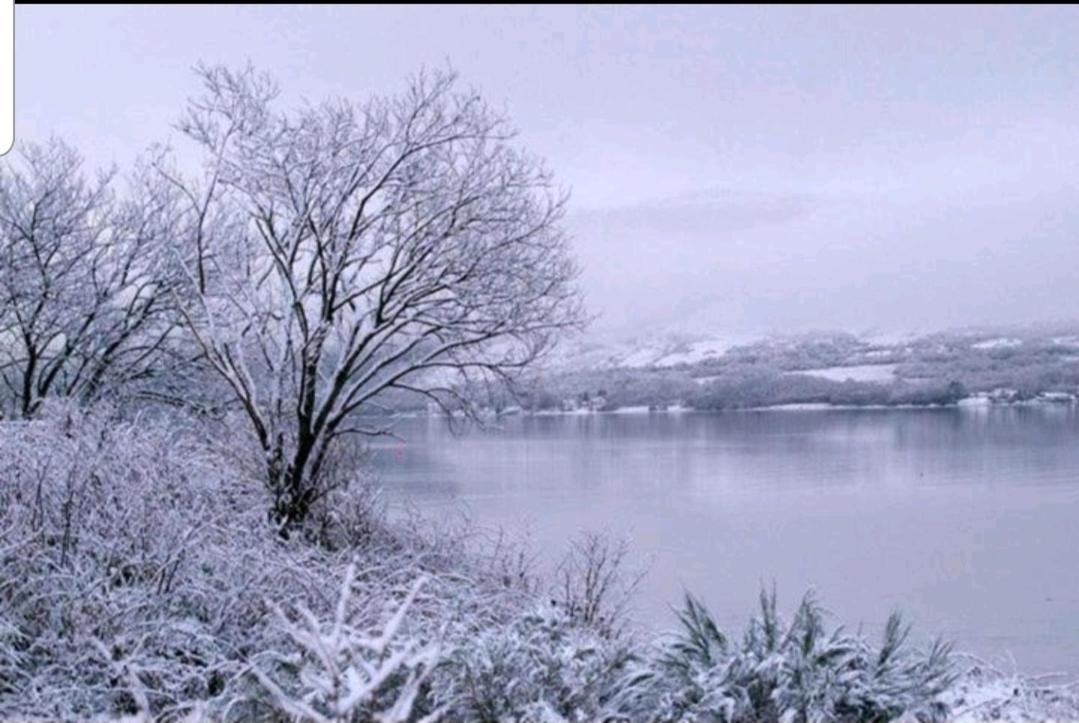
{"type": "Point", "coordinates": [342, 251]}
{"type": "Point", "coordinates": [83, 284]}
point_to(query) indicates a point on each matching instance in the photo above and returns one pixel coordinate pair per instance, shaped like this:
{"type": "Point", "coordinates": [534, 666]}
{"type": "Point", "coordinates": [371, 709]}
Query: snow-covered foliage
{"type": "Point", "coordinates": [342, 671]}
{"type": "Point", "coordinates": [116, 551]}
{"type": "Point", "coordinates": [140, 575]}
{"type": "Point", "coordinates": [539, 667]}
{"type": "Point", "coordinates": [787, 671]}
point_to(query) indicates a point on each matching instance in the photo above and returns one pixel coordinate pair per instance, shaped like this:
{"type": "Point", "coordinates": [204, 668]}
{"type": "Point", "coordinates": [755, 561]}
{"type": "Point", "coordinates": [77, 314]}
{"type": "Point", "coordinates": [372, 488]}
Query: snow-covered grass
{"type": "Point", "coordinates": [790, 670]}
{"type": "Point", "coordinates": [140, 579]}
{"type": "Point", "coordinates": [139, 574]}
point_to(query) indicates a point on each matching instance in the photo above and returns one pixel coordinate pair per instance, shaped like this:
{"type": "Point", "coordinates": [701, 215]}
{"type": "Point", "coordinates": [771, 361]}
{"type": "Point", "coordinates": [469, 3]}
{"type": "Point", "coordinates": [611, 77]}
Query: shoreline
{"type": "Point", "coordinates": [969, 403]}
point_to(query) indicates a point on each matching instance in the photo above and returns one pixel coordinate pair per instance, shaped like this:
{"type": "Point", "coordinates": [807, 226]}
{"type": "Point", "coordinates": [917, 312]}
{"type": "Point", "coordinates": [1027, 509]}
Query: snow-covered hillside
{"type": "Point", "coordinates": [659, 350]}
{"type": "Point", "coordinates": [596, 351]}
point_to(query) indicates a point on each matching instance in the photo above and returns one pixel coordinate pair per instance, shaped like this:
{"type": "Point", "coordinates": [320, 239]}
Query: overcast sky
{"type": "Point", "coordinates": [733, 169]}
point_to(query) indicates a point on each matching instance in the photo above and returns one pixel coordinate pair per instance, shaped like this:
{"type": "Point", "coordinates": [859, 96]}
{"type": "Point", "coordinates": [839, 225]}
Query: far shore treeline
{"type": "Point", "coordinates": [946, 368]}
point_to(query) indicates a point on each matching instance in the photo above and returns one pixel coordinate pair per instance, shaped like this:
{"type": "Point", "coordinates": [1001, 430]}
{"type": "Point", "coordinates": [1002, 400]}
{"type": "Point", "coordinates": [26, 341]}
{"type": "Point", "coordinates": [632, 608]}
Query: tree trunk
{"type": "Point", "coordinates": [292, 491]}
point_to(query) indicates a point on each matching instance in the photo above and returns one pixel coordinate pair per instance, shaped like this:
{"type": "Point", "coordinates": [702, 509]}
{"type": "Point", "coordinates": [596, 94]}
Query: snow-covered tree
{"type": "Point", "coordinates": [345, 250]}
{"type": "Point", "coordinates": [83, 302]}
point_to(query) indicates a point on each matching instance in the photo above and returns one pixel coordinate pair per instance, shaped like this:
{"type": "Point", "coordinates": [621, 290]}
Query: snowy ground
{"type": "Point", "coordinates": [985, 694]}
{"type": "Point", "coordinates": [644, 351]}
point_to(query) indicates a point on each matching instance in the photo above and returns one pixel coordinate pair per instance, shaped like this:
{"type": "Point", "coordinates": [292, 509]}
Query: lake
{"type": "Point", "coordinates": [967, 519]}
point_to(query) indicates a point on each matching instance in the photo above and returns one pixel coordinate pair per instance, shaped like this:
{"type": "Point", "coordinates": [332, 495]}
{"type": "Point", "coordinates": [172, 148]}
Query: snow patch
{"type": "Point", "coordinates": [857, 373]}
{"type": "Point", "coordinates": [999, 343]}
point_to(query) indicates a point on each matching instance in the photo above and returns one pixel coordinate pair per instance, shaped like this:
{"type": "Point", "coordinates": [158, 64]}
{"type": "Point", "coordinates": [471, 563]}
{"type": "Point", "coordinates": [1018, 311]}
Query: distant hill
{"type": "Point", "coordinates": [707, 371]}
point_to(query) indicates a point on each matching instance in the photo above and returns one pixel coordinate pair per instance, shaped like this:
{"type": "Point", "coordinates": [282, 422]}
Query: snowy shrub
{"type": "Point", "coordinates": [98, 614]}
{"type": "Point", "coordinates": [540, 667]}
{"type": "Point", "coordinates": [139, 574]}
{"type": "Point", "coordinates": [786, 672]}
{"type": "Point", "coordinates": [345, 671]}
{"type": "Point", "coordinates": [593, 585]}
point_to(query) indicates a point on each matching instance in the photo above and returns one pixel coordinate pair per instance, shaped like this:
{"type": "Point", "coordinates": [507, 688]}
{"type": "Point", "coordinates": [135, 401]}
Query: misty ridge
{"type": "Point", "coordinates": [274, 392]}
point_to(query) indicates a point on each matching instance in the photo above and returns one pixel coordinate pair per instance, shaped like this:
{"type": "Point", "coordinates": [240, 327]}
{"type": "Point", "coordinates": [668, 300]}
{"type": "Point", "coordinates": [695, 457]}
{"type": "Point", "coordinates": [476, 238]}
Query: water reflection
{"type": "Point", "coordinates": [965, 518]}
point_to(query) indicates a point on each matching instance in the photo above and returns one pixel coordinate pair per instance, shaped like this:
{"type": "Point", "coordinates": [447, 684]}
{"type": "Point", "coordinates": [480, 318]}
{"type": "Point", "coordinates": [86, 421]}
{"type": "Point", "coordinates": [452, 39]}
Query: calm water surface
{"type": "Point", "coordinates": [967, 519]}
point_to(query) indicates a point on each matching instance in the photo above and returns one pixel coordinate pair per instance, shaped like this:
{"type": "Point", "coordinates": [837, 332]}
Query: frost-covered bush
{"type": "Point", "coordinates": [593, 585]}
{"type": "Point", "coordinates": [558, 657]}
{"type": "Point", "coordinates": [539, 667]}
{"type": "Point", "coordinates": [108, 528]}
{"type": "Point", "coordinates": [787, 671]}
{"type": "Point", "coordinates": [346, 670]}
{"type": "Point", "coordinates": [139, 574]}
